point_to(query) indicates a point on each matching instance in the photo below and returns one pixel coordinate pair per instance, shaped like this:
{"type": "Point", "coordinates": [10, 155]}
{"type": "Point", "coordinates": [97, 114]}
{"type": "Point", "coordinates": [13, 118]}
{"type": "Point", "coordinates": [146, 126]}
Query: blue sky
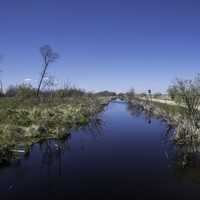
{"type": "Point", "coordinates": [103, 44]}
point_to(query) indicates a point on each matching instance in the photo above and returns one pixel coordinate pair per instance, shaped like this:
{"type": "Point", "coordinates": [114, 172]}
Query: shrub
{"type": "Point", "coordinates": [187, 94]}
{"type": "Point", "coordinates": [11, 91]}
{"type": "Point", "coordinates": [21, 91]}
{"type": "Point", "coordinates": [25, 91]}
{"type": "Point", "coordinates": [131, 93]}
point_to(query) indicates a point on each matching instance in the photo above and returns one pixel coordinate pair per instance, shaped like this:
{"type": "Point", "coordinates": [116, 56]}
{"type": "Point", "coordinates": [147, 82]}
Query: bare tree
{"type": "Point", "coordinates": [187, 94]}
{"type": "Point", "coordinates": [49, 83]}
{"type": "Point", "coordinates": [49, 56]}
{"type": "Point", "coordinates": [131, 94]}
{"type": "Point", "coordinates": [1, 84]}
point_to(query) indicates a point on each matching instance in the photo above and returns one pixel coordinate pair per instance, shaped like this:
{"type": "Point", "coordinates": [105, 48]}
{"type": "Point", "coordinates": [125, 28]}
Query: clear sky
{"type": "Point", "coordinates": [103, 44]}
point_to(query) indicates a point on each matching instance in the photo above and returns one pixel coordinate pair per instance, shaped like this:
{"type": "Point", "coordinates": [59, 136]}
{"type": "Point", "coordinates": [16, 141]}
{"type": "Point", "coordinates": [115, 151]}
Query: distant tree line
{"type": "Point", "coordinates": [105, 93]}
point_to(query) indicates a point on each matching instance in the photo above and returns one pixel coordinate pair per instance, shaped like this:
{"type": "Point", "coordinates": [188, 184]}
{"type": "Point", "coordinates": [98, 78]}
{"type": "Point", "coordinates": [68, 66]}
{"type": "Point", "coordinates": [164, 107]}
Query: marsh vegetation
{"type": "Point", "coordinates": [130, 148]}
{"type": "Point", "coordinates": [181, 109]}
{"type": "Point", "coordinates": [31, 114]}
{"type": "Point", "coordinates": [25, 119]}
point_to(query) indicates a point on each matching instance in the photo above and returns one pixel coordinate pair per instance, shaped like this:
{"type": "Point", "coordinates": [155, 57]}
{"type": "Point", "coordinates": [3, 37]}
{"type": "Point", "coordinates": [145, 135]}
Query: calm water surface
{"type": "Point", "coordinates": [124, 155]}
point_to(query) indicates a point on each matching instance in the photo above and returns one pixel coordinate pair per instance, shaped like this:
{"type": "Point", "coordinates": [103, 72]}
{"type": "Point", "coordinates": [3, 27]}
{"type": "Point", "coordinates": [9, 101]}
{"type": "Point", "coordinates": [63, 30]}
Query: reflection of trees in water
{"type": "Point", "coordinates": [137, 110]}
{"type": "Point", "coordinates": [49, 154]}
{"type": "Point", "coordinates": [191, 171]}
{"type": "Point", "coordinates": [53, 150]}
{"type": "Point", "coordinates": [94, 128]}
{"type": "Point", "coordinates": [184, 160]}
{"type": "Point", "coordinates": [186, 164]}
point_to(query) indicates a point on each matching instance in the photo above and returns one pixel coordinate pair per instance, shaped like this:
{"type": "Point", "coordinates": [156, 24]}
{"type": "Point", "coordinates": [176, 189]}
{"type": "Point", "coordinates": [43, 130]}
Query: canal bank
{"type": "Point", "coordinates": [125, 154]}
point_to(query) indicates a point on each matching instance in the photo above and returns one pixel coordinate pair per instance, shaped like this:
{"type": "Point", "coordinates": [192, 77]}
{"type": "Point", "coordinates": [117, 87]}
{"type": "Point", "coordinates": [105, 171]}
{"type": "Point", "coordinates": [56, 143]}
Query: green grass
{"type": "Point", "coordinates": [26, 121]}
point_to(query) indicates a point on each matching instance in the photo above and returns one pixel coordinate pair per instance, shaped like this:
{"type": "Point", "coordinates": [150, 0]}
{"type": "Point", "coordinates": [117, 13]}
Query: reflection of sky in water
{"type": "Point", "coordinates": [125, 154]}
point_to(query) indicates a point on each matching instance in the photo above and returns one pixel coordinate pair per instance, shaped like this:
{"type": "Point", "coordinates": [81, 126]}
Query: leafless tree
{"type": "Point", "coordinates": [131, 94]}
{"type": "Point", "coordinates": [49, 83]}
{"type": "Point", "coordinates": [1, 84]}
{"type": "Point", "coordinates": [48, 56]}
{"type": "Point", "coordinates": [187, 94]}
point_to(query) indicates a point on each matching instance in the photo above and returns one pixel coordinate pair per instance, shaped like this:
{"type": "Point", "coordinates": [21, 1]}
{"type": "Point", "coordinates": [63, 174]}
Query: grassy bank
{"type": "Point", "coordinates": [186, 133]}
{"type": "Point", "coordinates": [24, 121]}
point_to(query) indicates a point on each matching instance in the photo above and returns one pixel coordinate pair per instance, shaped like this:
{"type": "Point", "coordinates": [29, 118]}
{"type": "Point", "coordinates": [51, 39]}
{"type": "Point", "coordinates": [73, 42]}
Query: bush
{"type": "Point", "coordinates": [21, 91]}
{"type": "Point", "coordinates": [69, 92]}
{"type": "Point", "coordinates": [2, 94]}
{"type": "Point", "coordinates": [187, 94]}
{"type": "Point", "coordinates": [131, 93]}
{"type": "Point", "coordinates": [11, 91]}
{"type": "Point", "coordinates": [25, 91]}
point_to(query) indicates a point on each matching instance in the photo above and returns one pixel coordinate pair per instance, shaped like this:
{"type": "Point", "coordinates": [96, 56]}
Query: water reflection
{"type": "Point", "coordinates": [137, 110]}
{"type": "Point", "coordinates": [95, 127]}
{"type": "Point", "coordinates": [125, 157]}
{"type": "Point", "coordinates": [53, 150]}
{"type": "Point", "coordinates": [183, 159]}
{"type": "Point", "coordinates": [48, 159]}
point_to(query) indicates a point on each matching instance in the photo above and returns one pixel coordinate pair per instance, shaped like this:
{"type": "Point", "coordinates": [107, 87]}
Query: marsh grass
{"type": "Point", "coordinates": [176, 116]}
{"type": "Point", "coordinates": [24, 121]}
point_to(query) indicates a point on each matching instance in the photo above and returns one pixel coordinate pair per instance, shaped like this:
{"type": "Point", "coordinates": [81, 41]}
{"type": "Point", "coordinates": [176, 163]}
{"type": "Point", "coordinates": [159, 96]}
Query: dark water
{"type": "Point", "coordinates": [126, 155]}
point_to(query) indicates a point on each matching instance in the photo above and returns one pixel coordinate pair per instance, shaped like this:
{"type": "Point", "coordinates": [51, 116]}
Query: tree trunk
{"type": "Point", "coordinates": [42, 77]}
